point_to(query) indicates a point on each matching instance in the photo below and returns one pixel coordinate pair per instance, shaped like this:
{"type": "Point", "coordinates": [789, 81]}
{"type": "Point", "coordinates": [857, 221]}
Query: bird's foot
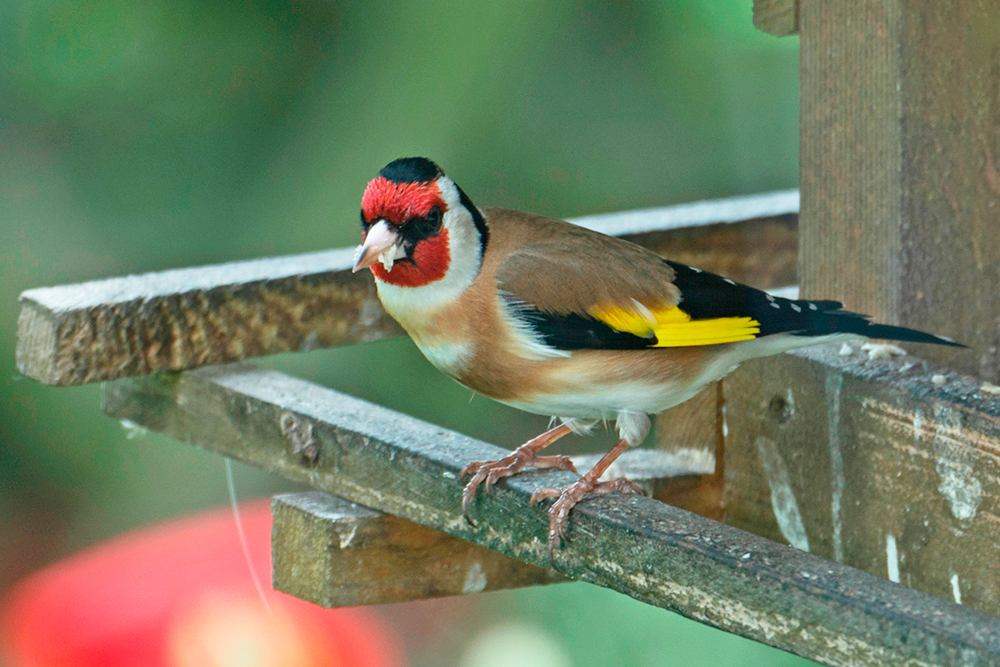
{"type": "Point", "coordinates": [567, 498]}
{"type": "Point", "coordinates": [489, 473]}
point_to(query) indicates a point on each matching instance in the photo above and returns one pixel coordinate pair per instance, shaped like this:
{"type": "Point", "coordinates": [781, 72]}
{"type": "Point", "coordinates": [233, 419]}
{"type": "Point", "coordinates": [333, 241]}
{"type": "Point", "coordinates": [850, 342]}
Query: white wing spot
{"type": "Point", "coordinates": [812, 306]}
{"type": "Point", "coordinates": [770, 297]}
{"type": "Point", "coordinates": [645, 313]}
{"type": "Point", "coordinates": [795, 307]}
{"type": "Point", "coordinates": [694, 269]}
{"type": "Point", "coordinates": [727, 280]}
{"type": "Point", "coordinates": [774, 305]}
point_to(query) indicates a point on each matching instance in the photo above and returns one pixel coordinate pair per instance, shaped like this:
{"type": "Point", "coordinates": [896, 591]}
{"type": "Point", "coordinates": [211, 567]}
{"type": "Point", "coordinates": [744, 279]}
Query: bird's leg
{"type": "Point", "coordinates": [523, 457]}
{"type": "Point", "coordinates": [568, 496]}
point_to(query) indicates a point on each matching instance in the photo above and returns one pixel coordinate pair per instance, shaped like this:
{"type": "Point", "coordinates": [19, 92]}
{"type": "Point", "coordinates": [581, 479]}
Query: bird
{"type": "Point", "coordinates": [558, 320]}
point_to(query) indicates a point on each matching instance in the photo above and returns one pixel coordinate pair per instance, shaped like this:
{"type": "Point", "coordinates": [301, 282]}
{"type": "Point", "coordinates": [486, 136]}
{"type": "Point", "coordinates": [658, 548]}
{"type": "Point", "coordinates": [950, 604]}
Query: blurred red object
{"type": "Point", "coordinates": [180, 594]}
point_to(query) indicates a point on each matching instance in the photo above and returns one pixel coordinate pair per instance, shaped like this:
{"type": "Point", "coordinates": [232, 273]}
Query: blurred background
{"type": "Point", "coordinates": [138, 135]}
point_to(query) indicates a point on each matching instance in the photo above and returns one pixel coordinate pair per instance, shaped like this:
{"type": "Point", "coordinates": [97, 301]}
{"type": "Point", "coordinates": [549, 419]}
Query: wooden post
{"type": "Point", "coordinates": [900, 128]}
{"type": "Point", "coordinates": [900, 132]}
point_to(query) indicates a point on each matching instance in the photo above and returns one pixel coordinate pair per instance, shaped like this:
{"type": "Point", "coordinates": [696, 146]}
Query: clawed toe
{"type": "Point", "coordinates": [542, 494]}
{"type": "Point", "coordinates": [568, 497]}
{"type": "Point", "coordinates": [488, 473]}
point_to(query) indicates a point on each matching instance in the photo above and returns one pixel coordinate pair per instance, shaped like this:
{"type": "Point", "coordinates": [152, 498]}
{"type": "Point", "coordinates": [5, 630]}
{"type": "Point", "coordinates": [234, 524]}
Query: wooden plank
{"type": "Point", "coordinates": [871, 463]}
{"type": "Point", "coordinates": [335, 553]}
{"type": "Point", "coordinates": [339, 554]}
{"type": "Point", "coordinates": [899, 166]}
{"type": "Point", "coordinates": [776, 17]}
{"type": "Point", "coordinates": [653, 552]}
{"type": "Point", "coordinates": [186, 318]}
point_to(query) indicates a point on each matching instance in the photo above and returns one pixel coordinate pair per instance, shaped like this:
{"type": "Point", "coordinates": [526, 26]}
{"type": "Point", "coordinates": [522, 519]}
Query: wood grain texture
{"type": "Point", "coordinates": [335, 553]}
{"type": "Point", "coordinates": [653, 552]}
{"type": "Point", "coordinates": [900, 138]}
{"type": "Point", "coordinates": [776, 17]}
{"type": "Point", "coordinates": [870, 463]}
{"type": "Point", "coordinates": [186, 318]}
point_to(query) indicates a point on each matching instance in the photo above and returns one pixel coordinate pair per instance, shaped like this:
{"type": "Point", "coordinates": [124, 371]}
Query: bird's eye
{"type": "Point", "coordinates": [428, 225]}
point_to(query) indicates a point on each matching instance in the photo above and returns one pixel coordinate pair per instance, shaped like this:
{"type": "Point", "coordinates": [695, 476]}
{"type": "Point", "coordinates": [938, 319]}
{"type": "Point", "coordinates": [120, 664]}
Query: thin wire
{"type": "Point", "coordinates": [243, 536]}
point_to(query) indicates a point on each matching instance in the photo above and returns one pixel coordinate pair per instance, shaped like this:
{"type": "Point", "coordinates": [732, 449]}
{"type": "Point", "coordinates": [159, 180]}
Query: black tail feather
{"type": "Point", "coordinates": [705, 295]}
{"type": "Point", "coordinates": [859, 324]}
{"type": "Point", "coordinates": [828, 317]}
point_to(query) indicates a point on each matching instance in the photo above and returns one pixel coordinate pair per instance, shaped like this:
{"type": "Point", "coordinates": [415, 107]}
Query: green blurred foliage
{"type": "Point", "coordinates": [138, 135]}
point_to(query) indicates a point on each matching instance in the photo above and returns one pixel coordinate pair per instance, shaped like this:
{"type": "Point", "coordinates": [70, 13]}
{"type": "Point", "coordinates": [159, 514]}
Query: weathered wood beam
{"type": "Point", "coordinates": [776, 17]}
{"type": "Point", "coordinates": [653, 552]}
{"type": "Point", "coordinates": [891, 466]}
{"type": "Point", "coordinates": [899, 167]}
{"type": "Point", "coordinates": [340, 554]}
{"type": "Point", "coordinates": [186, 318]}
{"type": "Point", "coordinates": [335, 553]}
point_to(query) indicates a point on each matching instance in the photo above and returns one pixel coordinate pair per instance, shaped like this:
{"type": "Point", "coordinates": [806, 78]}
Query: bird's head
{"type": "Point", "coordinates": [417, 224]}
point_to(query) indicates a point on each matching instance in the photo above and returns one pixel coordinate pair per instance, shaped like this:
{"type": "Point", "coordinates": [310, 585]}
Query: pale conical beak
{"type": "Point", "coordinates": [381, 245]}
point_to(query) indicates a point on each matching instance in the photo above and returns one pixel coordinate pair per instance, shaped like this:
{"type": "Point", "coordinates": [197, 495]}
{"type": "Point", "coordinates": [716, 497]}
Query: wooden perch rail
{"type": "Point", "coordinates": [339, 554]}
{"type": "Point", "coordinates": [187, 318]}
{"type": "Point", "coordinates": [659, 554]}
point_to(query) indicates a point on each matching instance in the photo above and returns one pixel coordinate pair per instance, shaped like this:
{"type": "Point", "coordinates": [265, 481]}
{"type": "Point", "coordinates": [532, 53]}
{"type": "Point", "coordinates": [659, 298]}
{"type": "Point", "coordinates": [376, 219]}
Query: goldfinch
{"type": "Point", "coordinates": [558, 320]}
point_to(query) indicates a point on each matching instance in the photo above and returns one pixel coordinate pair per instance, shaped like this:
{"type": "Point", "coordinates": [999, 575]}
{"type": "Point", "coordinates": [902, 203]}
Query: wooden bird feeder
{"type": "Point", "coordinates": [872, 469]}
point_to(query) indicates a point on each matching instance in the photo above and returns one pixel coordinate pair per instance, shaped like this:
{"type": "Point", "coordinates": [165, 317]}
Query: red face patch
{"type": "Point", "coordinates": [431, 258]}
{"type": "Point", "coordinates": [399, 202]}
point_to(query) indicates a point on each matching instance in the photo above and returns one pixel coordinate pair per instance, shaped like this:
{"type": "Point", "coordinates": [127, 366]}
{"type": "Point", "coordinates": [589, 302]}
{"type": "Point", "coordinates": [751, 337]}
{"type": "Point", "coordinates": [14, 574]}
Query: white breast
{"type": "Point", "coordinates": [449, 358]}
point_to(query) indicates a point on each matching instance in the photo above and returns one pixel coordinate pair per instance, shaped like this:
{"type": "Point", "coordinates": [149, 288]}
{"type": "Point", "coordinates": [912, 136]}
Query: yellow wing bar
{"type": "Point", "coordinates": [675, 328]}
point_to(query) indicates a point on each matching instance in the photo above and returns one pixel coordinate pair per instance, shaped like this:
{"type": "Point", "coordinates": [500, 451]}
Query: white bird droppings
{"type": "Point", "coordinates": [346, 540]}
{"type": "Point", "coordinates": [846, 350]}
{"type": "Point", "coordinates": [786, 509]}
{"type": "Point", "coordinates": [892, 558]}
{"type": "Point", "coordinates": [938, 379]}
{"type": "Point", "coordinates": [963, 492]}
{"type": "Point", "coordinates": [475, 579]}
{"type": "Point", "coordinates": [883, 350]}
{"type": "Point", "coordinates": [954, 465]}
{"type": "Point", "coordinates": [955, 590]}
